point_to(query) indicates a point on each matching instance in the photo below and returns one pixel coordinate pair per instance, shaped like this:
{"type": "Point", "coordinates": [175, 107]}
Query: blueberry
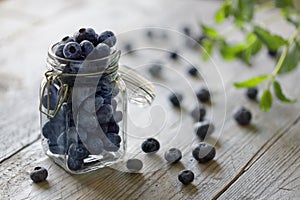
{"type": "Point", "coordinates": [174, 55]}
{"type": "Point", "coordinates": [186, 177]}
{"type": "Point", "coordinates": [243, 117]}
{"type": "Point", "coordinates": [186, 30]}
{"type": "Point", "coordinates": [100, 51]}
{"type": "Point", "coordinates": [155, 70]}
{"type": "Point", "coordinates": [104, 127]}
{"type": "Point", "coordinates": [77, 151]}
{"type": "Point", "coordinates": [62, 143]}
{"type": "Point", "coordinates": [198, 113]}
{"type": "Point", "coordinates": [114, 104]}
{"type": "Point", "coordinates": [72, 50]}
{"type": "Point", "coordinates": [55, 148]}
{"type": "Point", "coordinates": [252, 93]}
{"type": "Point", "coordinates": [59, 50]}
{"type": "Point", "coordinates": [128, 47]}
{"type": "Point", "coordinates": [272, 53]}
{"type": "Point", "coordinates": [67, 39]}
{"type": "Point", "coordinates": [117, 116]}
{"type": "Point", "coordinates": [104, 113]}
{"type": "Point", "coordinates": [52, 96]}
{"type": "Point", "coordinates": [203, 129]}
{"type": "Point", "coordinates": [94, 145]}
{"type": "Point", "coordinates": [114, 138]}
{"type": "Point", "coordinates": [176, 99]}
{"type": "Point", "coordinates": [85, 34]}
{"type": "Point", "coordinates": [69, 80]}
{"type": "Point", "coordinates": [151, 145]}
{"type": "Point", "coordinates": [74, 164]}
{"type": "Point", "coordinates": [193, 71]}
{"type": "Point", "coordinates": [92, 104]}
{"type": "Point", "coordinates": [113, 127]}
{"type": "Point", "coordinates": [203, 95]}
{"type": "Point", "coordinates": [110, 146]}
{"type": "Point", "coordinates": [87, 121]}
{"type": "Point", "coordinates": [86, 47]}
{"type": "Point", "coordinates": [107, 37]}
{"type": "Point", "coordinates": [149, 34]}
{"type": "Point", "coordinates": [173, 155]}
{"type": "Point", "coordinates": [134, 165]}
{"type": "Point", "coordinates": [39, 174]}
{"type": "Point", "coordinates": [47, 130]}
{"type": "Point", "coordinates": [204, 152]}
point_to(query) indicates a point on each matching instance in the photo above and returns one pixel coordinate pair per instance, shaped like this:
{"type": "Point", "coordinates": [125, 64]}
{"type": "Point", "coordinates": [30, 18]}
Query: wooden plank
{"type": "Point", "coordinates": [235, 146]}
{"type": "Point", "coordinates": [275, 175]}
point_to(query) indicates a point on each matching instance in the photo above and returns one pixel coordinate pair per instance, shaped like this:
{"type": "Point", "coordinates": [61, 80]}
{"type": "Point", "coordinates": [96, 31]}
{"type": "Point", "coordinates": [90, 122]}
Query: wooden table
{"type": "Point", "coordinates": [257, 162]}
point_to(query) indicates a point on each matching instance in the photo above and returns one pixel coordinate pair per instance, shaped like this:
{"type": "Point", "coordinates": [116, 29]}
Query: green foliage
{"type": "Point", "coordinates": [252, 82]}
{"type": "Point", "coordinates": [279, 94]}
{"type": "Point", "coordinates": [266, 101]}
{"type": "Point", "coordinates": [272, 42]}
{"type": "Point", "coordinates": [242, 12]}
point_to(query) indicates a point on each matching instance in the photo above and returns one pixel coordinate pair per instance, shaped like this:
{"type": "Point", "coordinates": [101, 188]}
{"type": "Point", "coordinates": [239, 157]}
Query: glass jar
{"type": "Point", "coordinates": [83, 110]}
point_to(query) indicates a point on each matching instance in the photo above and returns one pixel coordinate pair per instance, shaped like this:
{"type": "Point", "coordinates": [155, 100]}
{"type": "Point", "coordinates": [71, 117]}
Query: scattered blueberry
{"type": "Point", "coordinates": [204, 152]}
{"type": "Point", "coordinates": [85, 34]}
{"type": "Point", "coordinates": [86, 47]}
{"type": "Point", "coordinates": [155, 70]}
{"type": "Point", "coordinates": [151, 145]}
{"type": "Point", "coordinates": [252, 93]}
{"type": "Point", "coordinates": [39, 174]}
{"type": "Point", "coordinates": [186, 177]}
{"type": "Point", "coordinates": [193, 71]}
{"type": "Point", "coordinates": [59, 50]}
{"type": "Point", "coordinates": [134, 165]}
{"type": "Point", "coordinates": [203, 95]}
{"type": "Point", "coordinates": [243, 117]}
{"type": "Point", "coordinates": [173, 155]}
{"type": "Point", "coordinates": [272, 53]}
{"type": "Point", "coordinates": [174, 55]}
{"type": "Point", "coordinates": [107, 37]}
{"type": "Point", "coordinates": [74, 164]}
{"type": "Point", "coordinates": [198, 113]}
{"type": "Point", "coordinates": [186, 30]}
{"type": "Point", "coordinates": [149, 34]}
{"type": "Point", "coordinates": [176, 99]}
{"type": "Point", "coordinates": [72, 50]}
{"type": "Point", "coordinates": [128, 47]}
{"type": "Point", "coordinates": [204, 129]}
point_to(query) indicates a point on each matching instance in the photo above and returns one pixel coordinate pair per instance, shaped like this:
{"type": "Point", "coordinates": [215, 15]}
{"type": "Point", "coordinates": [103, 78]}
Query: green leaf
{"type": "Point", "coordinates": [252, 82]}
{"type": "Point", "coordinates": [243, 11]}
{"type": "Point", "coordinates": [210, 32]}
{"type": "Point", "coordinates": [252, 47]}
{"type": "Point", "coordinates": [291, 60]}
{"type": "Point", "coordinates": [279, 94]}
{"type": "Point", "coordinates": [223, 12]}
{"type": "Point", "coordinates": [207, 45]}
{"type": "Point", "coordinates": [273, 42]}
{"type": "Point", "coordinates": [283, 3]}
{"type": "Point", "coordinates": [231, 52]}
{"type": "Point", "coordinates": [266, 101]}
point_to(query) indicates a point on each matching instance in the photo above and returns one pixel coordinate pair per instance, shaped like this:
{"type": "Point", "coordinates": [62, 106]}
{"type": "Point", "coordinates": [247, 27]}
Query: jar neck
{"type": "Point", "coordinates": [107, 66]}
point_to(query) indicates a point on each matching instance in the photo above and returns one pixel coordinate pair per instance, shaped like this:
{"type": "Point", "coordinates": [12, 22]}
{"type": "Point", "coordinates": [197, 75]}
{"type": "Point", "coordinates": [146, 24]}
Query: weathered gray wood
{"type": "Point", "coordinates": [236, 146]}
{"type": "Point", "coordinates": [275, 175]}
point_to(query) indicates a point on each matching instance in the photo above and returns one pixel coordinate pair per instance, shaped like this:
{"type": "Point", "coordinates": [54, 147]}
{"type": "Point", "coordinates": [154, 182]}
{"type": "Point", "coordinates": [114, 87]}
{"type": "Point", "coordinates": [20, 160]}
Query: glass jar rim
{"type": "Point", "coordinates": [52, 55]}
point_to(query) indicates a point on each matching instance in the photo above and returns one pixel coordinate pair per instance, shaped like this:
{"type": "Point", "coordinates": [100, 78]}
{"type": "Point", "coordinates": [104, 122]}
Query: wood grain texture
{"type": "Point", "coordinates": [276, 174]}
{"type": "Point", "coordinates": [238, 148]}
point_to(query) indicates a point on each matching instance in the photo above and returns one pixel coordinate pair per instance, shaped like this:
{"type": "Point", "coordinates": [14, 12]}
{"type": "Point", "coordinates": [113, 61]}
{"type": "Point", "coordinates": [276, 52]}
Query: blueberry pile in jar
{"type": "Point", "coordinates": [92, 127]}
